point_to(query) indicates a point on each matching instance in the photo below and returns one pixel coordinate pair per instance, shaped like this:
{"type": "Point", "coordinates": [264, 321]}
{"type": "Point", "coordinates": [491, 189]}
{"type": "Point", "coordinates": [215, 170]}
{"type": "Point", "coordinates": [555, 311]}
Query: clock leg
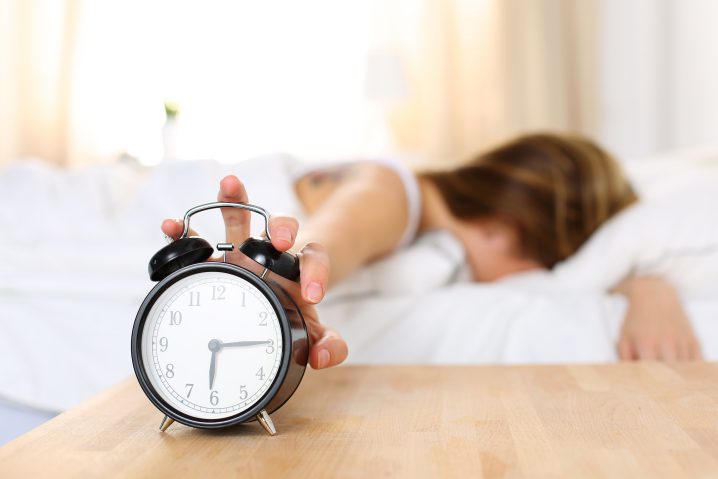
{"type": "Point", "coordinates": [166, 422]}
{"type": "Point", "coordinates": [266, 422]}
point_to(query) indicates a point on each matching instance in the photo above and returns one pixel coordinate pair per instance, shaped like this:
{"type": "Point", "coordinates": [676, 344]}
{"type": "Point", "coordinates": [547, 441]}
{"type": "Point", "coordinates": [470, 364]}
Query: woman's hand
{"type": "Point", "coordinates": [655, 327]}
{"type": "Point", "coordinates": [328, 348]}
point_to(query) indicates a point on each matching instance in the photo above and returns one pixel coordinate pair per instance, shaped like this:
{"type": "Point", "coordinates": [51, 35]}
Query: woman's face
{"type": "Point", "coordinates": [492, 249]}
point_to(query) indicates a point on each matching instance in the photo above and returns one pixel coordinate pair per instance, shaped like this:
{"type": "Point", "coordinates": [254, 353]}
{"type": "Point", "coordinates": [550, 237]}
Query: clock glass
{"type": "Point", "coordinates": [211, 345]}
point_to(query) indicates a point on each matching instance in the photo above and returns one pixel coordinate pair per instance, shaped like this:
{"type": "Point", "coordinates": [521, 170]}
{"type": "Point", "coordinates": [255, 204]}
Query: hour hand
{"type": "Point", "coordinates": [212, 368]}
{"type": "Point", "coordinates": [244, 343]}
{"type": "Point", "coordinates": [214, 345]}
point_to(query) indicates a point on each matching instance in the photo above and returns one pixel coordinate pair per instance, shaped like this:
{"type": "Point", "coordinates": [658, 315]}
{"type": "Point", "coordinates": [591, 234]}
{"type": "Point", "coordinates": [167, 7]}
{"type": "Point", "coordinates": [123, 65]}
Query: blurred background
{"type": "Point", "coordinates": [84, 82]}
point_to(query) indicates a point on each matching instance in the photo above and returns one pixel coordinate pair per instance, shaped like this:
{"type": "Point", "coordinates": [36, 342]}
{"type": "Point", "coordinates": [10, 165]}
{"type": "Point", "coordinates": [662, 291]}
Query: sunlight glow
{"type": "Point", "coordinates": [249, 77]}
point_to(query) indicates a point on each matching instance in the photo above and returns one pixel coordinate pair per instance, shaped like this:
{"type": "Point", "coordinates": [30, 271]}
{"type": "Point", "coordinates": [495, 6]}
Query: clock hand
{"type": "Point", "coordinates": [243, 343]}
{"type": "Point", "coordinates": [212, 368]}
{"type": "Point", "coordinates": [214, 345]}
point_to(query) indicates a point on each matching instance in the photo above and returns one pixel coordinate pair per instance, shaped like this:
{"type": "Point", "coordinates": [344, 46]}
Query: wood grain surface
{"type": "Point", "coordinates": [623, 420]}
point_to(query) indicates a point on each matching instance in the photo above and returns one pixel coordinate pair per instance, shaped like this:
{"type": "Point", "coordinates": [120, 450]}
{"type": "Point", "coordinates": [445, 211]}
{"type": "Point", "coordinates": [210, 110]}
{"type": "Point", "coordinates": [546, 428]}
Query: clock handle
{"type": "Point", "coordinates": [259, 250]}
{"type": "Point", "coordinates": [224, 204]}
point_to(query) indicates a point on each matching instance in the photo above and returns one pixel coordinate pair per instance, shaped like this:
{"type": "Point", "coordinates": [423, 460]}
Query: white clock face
{"type": "Point", "coordinates": [211, 345]}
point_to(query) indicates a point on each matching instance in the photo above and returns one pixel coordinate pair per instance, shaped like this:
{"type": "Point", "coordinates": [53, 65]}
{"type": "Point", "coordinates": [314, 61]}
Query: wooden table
{"type": "Point", "coordinates": [628, 420]}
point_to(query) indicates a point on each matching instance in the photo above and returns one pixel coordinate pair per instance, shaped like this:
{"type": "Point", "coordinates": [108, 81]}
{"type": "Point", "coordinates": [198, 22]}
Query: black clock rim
{"type": "Point", "coordinates": [138, 364]}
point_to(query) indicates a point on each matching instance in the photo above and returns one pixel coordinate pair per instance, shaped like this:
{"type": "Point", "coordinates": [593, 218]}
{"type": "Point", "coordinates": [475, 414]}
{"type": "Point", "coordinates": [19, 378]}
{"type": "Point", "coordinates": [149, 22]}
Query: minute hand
{"type": "Point", "coordinates": [244, 343]}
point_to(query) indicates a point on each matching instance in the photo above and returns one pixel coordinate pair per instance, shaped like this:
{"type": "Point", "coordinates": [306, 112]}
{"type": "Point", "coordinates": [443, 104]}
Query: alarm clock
{"type": "Point", "coordinates": [214, 343]}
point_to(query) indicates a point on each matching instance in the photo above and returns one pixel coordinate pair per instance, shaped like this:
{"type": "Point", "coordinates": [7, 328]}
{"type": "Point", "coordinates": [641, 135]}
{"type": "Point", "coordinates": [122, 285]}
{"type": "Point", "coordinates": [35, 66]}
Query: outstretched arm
{"type": "Point", "coordinates": [358, 212]}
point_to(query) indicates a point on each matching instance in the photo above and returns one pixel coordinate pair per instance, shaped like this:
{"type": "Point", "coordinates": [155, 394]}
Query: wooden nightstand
{"type": "Point", "coordinates": [622, 420]}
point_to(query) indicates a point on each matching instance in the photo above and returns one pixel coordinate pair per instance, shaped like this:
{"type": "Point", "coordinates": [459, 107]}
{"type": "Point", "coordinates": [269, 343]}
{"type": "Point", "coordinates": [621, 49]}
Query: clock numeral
{"type": "Point", "coordinates": [175, 318]}
{"type": "Point", "coordinates": [170, 372]}
{"type": "Point", "coordinates": [189, 388]}
{"type": "Point", "coordinates": [218, 293]}
{"type": "Point", "coordinates": [263, 318]}
{"type": "Point", "coordinates": [194, 298]}
{"type": "Point", "coordinates": [260, 373]}
{"type": "Point", "coordinates": [270, 347]}
{"type": "Point", "coordinates": [243, 392]}
{"type": "Point", "coordinates": [163, 344]}
{"type": "Point", "coordinates": [213, 398]}
{"type": "Point", "coordinates": [244, 299]}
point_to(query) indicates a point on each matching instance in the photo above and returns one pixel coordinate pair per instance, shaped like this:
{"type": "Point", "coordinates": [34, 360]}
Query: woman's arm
{"type": "Point", "coordinates": [358, 212]}
{"type": "Point", "coordinates": [655, 327]}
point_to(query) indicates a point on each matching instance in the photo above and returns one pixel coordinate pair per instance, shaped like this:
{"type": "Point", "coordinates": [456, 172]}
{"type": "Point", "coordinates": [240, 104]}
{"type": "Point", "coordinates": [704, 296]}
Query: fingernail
{"type": "Point", "coordinates": [283, 233]}
{"type": "Point", "coordinates": [314, 292]}
{"type": "Point", "coordinates": [323, 358]}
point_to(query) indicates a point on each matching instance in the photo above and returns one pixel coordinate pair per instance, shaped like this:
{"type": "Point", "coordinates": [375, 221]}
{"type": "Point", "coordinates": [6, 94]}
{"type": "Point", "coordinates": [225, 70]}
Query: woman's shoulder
{"type": "Point", "coordinates": [315, 182]}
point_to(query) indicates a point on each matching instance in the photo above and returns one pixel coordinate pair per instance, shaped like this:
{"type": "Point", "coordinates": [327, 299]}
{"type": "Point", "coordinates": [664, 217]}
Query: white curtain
{"type": "Point", "coordinates": [640, 76]}
{"type": "Point", "coordinates": [482, 70]}
{"type": "Point", "coordinates": [36, 58]}
{"type": "Point", "coordinates": [85, 81]}
{"type": "Point", "coordinates": [658, 75]}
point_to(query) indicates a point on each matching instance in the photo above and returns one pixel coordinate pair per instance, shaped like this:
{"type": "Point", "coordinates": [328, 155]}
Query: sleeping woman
{"type": "Point", "coordinates": [522, 206]}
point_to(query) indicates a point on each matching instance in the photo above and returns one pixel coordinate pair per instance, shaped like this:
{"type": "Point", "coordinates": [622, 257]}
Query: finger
{"type": "Point", "coordinates": [669, 351]}
{"type": "Point", "coordinates": [283, 230]}
{"type": "Point", "coordinates": [314, 272]}
{"type": "Point", "coordinates": [683, 350]}
{"type": "Point", "coordinates": [695, 353]}
{"type": "Point", "coordinates": [236, 221]}
{"type": "Point", "coordinates": [174, 227]}
{"type": "Point", "coordinates": [647, 351]}
{"type": "Point", "coordinates": [329, 351]}
{"type": "Point", "coordinates": [690, 350]}
{"type": "Point", "coordinates": [625, 350]}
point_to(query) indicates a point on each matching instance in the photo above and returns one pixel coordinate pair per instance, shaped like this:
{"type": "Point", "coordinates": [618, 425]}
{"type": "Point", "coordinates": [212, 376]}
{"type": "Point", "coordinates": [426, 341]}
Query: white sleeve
{"type": "Point", "coordinates": [413, 197]}
{"type": "Point", "coordinates": [300, 169]}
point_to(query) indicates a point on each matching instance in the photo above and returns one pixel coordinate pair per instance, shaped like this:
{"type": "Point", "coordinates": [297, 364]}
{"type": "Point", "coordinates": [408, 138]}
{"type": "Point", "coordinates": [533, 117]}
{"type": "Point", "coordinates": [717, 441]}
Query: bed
{"type": "Point", "coordinates": [75, 244]}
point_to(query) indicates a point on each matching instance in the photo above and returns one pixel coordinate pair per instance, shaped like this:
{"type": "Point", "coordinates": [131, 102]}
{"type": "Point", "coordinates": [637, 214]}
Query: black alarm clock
{"type": "Point", "coordinates": [216, 344]}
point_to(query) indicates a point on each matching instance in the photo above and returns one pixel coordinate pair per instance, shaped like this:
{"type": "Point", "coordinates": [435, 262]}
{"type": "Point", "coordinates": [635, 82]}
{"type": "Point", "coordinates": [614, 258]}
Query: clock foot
{"type": "Point", "coordinates": [166, 422]}
{"type": "Point", "coordinates": [266, 422]}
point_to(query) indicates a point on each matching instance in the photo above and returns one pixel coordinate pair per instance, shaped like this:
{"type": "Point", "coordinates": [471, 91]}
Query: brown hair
{"type": "Point", "coordinates": [556, 189]}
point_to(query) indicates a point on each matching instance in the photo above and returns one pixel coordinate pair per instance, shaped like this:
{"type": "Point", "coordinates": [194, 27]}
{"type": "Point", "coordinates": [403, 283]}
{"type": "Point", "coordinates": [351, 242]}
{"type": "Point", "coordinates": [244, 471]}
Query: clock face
{"type": "Point", "coordinates": [211, 345]}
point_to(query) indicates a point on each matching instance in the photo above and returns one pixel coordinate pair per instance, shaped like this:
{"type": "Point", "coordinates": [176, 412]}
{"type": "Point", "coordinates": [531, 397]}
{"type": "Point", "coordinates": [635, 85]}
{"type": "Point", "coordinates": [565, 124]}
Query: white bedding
{"type": "Point", "coordinates": [74, 250]}
{"type": "Point", "coordinates": [527, 318]}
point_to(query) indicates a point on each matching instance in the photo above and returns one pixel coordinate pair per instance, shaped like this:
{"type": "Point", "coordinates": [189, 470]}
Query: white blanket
{"type": "Point", "coordinates": [75, 245]}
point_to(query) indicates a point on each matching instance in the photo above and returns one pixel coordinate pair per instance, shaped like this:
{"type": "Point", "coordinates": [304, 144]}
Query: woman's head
{"type": "Point", "coordinates": [549, 192]}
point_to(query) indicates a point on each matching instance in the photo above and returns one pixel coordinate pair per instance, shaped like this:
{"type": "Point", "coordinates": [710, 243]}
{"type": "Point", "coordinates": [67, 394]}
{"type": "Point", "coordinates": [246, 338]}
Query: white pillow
{"type": "Point", "coordinates": [674, 237]}
{"type": "Point", "coordinates": [434, 260]}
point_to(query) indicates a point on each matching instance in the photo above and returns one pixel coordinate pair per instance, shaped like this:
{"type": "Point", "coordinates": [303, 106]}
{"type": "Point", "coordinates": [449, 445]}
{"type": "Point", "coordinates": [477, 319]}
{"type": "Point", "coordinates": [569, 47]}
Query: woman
{"type": "Point", "coordinates": [525, 205]}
